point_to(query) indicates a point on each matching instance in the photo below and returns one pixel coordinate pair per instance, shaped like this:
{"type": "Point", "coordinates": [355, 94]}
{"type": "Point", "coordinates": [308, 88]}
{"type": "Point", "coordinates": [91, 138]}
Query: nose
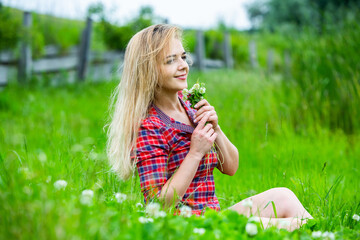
{"type": "Point", "coordinates": [183, 65]}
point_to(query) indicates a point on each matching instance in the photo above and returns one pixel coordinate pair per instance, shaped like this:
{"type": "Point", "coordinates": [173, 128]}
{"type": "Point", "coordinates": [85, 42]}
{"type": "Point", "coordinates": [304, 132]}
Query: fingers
{"type": "Point", "coordinates": [203, 121]}
{"type": "Point", "coordinates": [202, 103]}
{"type": "Point", "coordinates": [204, 109]}
{"type": "Point", "coordinates": [210, 113]}
{"type": "Point", "coordinates": [213, 137]}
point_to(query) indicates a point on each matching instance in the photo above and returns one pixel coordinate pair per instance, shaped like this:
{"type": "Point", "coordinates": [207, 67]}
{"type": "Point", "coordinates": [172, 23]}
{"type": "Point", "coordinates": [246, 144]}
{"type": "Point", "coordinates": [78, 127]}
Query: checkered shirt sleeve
{"type": "Point", "coordinates": [152, 156]}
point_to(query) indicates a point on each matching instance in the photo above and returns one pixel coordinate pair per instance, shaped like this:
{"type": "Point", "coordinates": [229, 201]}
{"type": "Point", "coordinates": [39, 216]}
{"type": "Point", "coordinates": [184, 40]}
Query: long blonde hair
{"type": "Point", "coordinates": [135, 92]}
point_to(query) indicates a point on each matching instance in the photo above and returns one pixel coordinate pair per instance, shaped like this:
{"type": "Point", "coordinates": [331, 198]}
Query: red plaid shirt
{"type": "Point", "coordinates": [162, 145]}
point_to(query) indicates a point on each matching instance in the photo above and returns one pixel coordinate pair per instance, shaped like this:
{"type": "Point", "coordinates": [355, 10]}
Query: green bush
{"type": "Point", "coordinates": [327, 71]}
{"type": "Point", "coordinates": [10, 23]}
{"type": "Point", "coordinates": [116, 37]}
{"type": "Point", "coordinates": [239, 45]}
{"type": "Point", "coordinates": [214, 44]}
{"type": "Point", "coordinates": [63, 33]}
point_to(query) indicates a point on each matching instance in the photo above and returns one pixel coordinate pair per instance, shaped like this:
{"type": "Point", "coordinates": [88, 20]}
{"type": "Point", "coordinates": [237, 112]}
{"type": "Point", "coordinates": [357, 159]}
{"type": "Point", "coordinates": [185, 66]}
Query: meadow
{"type": "Point", "coordinates": [50, 133]}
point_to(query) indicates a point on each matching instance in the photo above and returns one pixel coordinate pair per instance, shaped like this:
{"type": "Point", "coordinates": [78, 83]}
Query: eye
{"type": "Point", "coordinates": [184, 57]}
{"type": "Point", "coordinates": [170, 60]}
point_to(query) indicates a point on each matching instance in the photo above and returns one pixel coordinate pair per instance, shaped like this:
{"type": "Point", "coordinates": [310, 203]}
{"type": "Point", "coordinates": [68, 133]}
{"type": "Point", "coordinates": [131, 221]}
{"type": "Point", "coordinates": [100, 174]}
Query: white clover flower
{"type": "Point", "coordinates": [60, 184]}
{"type": "Point", "coordinates": [356, 217]}
{"type": "Point", "coordinates": [199, 231]}
{"type": "Point", "coordinates": [185, 91]}
{"type": "Point", "coordinates": [196, 86]}
{"type": "Point", "coordinates": [202, 90]}
{"type": "Point", "coordinates": [87, 193]}
{"type": "Point", "coordinates": [328, 235]}
{"type": "Point", "coordinates": [145, 220]}
{"type": "Point", "coordinates": [247, 203]}
{"type": "Point", "coordinates": [120, 197]}
{"type": "Point", "coordinates": [87, 197]}
{"type": "Point", "coordinates": [139, 205]}
{"type": "Point", "coordinates": [152, 209]}
{"type": "Point", "coordinates": [251, 229]}
{"type": "Point", "coordinates": [42, 157]}
{"type": "Point", "coordinates": [185, 211]}
{"type": "Point", "coordinates": [254, 219]}
{"type": "Point", "coordinates": [160, 214]}
{"type": "Point", "coordinates": [316, 234]}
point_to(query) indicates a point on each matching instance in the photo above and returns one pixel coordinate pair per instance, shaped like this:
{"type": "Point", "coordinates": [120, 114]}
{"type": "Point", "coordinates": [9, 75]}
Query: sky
{"type": "Point", "coordinates": [201, 14]}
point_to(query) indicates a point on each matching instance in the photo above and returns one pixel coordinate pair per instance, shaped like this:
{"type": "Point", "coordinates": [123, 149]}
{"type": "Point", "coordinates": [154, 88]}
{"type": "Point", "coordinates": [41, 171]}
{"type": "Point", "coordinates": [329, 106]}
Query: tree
{"type": "Point", "coordinates": [272, 14]}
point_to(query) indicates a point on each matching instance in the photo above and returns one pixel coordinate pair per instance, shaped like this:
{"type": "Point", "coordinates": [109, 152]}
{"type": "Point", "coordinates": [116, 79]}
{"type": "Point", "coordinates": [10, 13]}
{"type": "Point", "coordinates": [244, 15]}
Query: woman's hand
{"type": "Point", "coordinates": [203, 137]}
{"type": "Point", "coordinates": [205, 108]}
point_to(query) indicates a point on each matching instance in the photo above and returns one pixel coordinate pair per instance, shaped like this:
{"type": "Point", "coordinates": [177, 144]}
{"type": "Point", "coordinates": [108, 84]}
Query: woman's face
{"type": "Point", "coordinates": [173, 67]}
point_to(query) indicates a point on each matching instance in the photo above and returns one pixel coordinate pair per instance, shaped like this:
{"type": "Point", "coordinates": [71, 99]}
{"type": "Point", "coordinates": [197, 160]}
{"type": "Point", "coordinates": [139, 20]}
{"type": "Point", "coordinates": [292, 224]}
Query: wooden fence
{"type": "Point", "coordinates": [81, 63]}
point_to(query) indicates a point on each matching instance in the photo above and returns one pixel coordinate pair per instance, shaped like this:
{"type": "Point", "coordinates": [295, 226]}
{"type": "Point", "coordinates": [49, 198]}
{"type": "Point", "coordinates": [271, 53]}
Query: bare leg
{"type": "Point", "coordinates": [286, 203]}
{"type": "Point", "coordinates": [289, 224]}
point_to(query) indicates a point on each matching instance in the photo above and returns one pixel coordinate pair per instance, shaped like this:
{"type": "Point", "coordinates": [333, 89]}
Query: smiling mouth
{"type": "Point", "coordinates": [182, 77]}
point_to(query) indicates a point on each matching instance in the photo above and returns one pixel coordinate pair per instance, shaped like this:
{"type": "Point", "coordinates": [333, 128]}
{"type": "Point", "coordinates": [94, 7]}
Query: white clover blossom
{"type": "Point", "coordinates": [42, 157]}
{"type": "Point", "coordinates": [247, 203]}
{"type": "Point", "coordinates": [196, 86]}
{"type": "Point", "coordinates": [139, 205]}
{"type": "Point", "coordinates": [202, 90]}
{"type": "Point", "coordinates": [87, 197]}
{"type": "Point", "coordinates": [328, 235]}
{"type": "Point", "coordinates": [316, 234]}
{"type": "Point", "coordinates": [160, 214]}
{"type": "Point", "coordinates": [251, 229]}
{"type": "Point", "coordinates": [356, 217]}
{"type": "Point", "coordinates": [254, 219]}
{"type": "Point", "coordinates": [152, 209]}
{"type": "Point", "coordinates": [60, 184]}
{"type": "Point", "coordinates": [199, 231]}
{"type": "Point", "coordinates": [185, 91]}
{"type": "Point", "coordinates": [145, 220]}
{"type": "Point", "coordinates": [185, 211]}
{"type": "Point", "coordinates": [120, 197]}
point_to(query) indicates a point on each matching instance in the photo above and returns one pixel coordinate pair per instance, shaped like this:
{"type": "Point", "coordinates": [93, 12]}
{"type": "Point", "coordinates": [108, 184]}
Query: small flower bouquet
{"type": "Point", "coordinates": [195, 94]}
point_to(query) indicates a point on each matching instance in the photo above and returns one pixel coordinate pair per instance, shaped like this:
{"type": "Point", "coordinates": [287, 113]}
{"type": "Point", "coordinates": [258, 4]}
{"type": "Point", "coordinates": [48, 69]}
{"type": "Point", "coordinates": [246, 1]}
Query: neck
{"type": "Point", "coordinates": [168, 102]}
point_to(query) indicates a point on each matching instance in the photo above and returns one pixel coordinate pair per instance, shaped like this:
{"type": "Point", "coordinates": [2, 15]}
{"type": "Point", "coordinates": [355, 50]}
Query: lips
{"type": "Point", "coordinates": [181, 77]}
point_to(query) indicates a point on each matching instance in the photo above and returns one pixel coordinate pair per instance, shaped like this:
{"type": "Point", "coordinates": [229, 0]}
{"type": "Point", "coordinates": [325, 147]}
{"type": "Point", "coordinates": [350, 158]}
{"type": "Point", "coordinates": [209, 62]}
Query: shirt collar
{"type": "Point", "coordinates": [170, 122]}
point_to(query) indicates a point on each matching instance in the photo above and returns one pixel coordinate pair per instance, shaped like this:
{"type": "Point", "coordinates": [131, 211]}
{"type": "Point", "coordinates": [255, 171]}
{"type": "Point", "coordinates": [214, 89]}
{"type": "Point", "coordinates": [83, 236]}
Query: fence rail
{"type": "Point", "coordinates": [80, 62]}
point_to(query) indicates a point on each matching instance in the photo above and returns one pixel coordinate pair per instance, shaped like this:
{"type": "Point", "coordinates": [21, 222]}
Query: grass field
{"type": "Point", "coordinates": [53, 133]}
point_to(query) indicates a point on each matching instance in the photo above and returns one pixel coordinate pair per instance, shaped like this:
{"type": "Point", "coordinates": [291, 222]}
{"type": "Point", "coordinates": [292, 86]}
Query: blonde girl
{"type": "Point", "coordinates": [169, 143]}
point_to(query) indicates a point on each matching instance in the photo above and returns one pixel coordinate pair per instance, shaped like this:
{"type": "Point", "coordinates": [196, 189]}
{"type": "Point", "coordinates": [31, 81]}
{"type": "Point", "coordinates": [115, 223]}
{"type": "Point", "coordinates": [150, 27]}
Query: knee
{"type": "Point", "coordinates": [283, 193]}
{"type": "Point", "coordinates": [285, 201]}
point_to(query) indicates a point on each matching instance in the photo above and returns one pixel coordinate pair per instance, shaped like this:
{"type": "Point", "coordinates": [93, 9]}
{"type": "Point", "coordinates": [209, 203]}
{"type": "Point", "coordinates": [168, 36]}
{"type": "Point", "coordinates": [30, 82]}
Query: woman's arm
{"type": "Point", "coordinates": [228, 153]}
{"type": "Point", "coordinates": [202, 139]}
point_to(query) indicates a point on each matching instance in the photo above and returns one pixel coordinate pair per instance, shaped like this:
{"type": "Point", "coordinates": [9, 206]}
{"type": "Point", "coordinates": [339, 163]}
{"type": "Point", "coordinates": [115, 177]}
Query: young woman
{"type": "Point", "coordinates": [169, 143]}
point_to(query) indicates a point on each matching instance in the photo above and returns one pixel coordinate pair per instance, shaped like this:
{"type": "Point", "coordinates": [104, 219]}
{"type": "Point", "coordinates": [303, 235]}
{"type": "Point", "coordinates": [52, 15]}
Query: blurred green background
{"type": "Point", "coordinates": [295, 127]}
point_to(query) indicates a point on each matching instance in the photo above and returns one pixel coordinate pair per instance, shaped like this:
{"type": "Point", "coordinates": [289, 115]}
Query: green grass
{"type": "Point", "coordinates": [47, 134]}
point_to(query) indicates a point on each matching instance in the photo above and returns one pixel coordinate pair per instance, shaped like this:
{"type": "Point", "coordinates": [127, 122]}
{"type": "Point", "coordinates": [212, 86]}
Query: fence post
{"type": "Point", "coordinates": [270, 61]}
{"type": "Point", "coordinates": [3, 77]}
{"type": "Point", "coordinates": [287, 64]}
{"type": "Point", "coordinates": [252, 51]}
{"type": "Point", "coordinates": [25, 61]}
{"type": "Point", "coordinates": [229, 62]}
{"type": "Point", "coordinates": [84, 51]}
{"type": "Point", "coordinates": [200, 50]}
